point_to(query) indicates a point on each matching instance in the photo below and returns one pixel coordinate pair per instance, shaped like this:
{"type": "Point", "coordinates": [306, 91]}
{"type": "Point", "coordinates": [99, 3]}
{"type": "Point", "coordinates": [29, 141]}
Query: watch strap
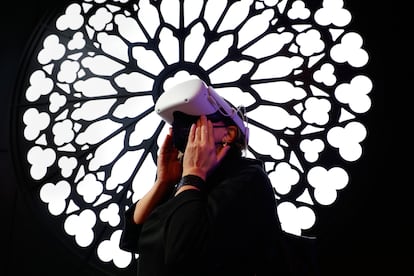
{"type": "Point", "coordinates": [192, 180]}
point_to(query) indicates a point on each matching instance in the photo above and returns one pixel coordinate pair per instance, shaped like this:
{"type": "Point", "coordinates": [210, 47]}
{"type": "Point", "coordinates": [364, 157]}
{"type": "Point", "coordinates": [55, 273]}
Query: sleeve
{"type": "Point", "coordinates": [187, 229]}
{"type": "Point", "coordinates": [130, 232]}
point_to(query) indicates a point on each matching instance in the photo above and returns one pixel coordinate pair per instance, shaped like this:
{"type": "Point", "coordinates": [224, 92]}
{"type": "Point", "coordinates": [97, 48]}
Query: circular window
{"type": "Point", "coordinates": [86, 134]}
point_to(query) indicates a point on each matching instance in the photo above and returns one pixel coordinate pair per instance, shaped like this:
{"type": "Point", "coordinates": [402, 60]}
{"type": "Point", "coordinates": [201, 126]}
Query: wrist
{"type": "Point", "coordinates": [163, 186]}
{"type": "Point", "coordinates": [191, 180]}
{"type": "Point", "coordinates": [195, 171]}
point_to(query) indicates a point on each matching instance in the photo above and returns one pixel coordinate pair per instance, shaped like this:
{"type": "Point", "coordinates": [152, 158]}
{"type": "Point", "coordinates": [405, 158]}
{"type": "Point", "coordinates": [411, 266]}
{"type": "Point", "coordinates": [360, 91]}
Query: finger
{"type": "Point", "coordinates": [192, 133]}
{"type": "Point", "coordinates": [210, 133]}
{"type": "Point", "coordinates": [204, 129]}
{"type": "Point", "coordinates": [200, 129]}
{"type": "Point", "coordinates": [168, 150]}
{"type": "Point", "coordinates": [169, 141]}
{"type": "Point", "coordinates": [166, 143]}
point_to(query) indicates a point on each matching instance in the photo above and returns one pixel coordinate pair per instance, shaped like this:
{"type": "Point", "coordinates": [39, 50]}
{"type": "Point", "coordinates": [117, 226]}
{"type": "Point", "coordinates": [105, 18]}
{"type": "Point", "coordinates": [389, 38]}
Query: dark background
{"type": "Point", "coordinates": [353, 236]}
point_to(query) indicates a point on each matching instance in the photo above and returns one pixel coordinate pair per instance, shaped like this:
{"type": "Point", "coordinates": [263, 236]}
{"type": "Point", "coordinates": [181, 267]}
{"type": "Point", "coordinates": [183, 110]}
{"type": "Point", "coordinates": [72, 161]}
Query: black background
{"type": "Point", "coordinates": [353, 236]}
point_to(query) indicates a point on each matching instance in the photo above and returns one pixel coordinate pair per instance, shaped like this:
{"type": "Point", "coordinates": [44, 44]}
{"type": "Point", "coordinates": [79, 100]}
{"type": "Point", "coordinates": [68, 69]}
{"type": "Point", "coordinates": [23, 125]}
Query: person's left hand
{"type": "Point", "coordinates": [201, 155]}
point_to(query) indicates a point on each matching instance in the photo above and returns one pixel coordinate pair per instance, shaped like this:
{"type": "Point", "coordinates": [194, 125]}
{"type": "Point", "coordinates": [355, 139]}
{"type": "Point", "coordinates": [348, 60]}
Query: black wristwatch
{"type": "Point", "coordinates": [192, 180]}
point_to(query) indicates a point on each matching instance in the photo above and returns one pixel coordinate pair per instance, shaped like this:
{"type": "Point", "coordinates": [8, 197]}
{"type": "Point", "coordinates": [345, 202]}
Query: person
{"type": "Point", "coordinates": [211, 210]}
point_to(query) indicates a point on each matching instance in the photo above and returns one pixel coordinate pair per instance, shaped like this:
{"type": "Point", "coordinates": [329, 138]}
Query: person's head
{"type": "Point", "coordinates": [183, 104]}
{"type": "Point", "coordinates": [224, 128]}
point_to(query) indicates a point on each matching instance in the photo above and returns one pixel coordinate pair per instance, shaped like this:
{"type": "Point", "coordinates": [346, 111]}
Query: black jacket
{"type": "Point", "coordinates": [232, 229]}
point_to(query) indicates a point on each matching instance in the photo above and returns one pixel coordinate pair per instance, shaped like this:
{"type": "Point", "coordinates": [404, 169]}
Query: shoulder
{"type": "Point", "coordinates": [253, 167]}
{"type": "Point", "coordinates": [255, 177]}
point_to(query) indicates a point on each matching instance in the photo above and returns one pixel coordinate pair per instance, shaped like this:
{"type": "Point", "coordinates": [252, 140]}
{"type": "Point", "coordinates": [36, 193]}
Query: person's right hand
{"type": "Point", "coordinates": [168, 174]}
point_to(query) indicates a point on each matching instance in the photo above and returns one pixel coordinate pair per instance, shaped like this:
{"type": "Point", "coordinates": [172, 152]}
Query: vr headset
{"type": "Point", "coordinates": [182, 105]}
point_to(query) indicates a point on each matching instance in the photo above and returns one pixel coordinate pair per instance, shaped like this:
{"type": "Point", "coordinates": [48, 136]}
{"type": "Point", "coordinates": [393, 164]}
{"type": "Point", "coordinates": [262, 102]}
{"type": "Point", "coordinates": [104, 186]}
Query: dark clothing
{"type": "Point", "coordinates": [232, 229]}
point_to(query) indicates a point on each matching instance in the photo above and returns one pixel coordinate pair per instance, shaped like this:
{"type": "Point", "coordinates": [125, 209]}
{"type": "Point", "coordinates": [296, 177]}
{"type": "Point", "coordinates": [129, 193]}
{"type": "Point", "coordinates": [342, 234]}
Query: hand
{"type": "Point", "coordinates": [201, 155]}
{"type": "Point", "coordinates": [169, 167]}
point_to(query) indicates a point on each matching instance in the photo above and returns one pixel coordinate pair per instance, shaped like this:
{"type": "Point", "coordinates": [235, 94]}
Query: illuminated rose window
{"type": "Point", "coordinates": [89, 138]}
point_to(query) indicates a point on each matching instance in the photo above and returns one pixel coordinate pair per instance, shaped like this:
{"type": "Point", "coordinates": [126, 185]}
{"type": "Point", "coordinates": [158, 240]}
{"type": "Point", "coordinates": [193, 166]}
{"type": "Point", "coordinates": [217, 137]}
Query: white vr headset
{"type": "Point", "coordinates": [194, 97]}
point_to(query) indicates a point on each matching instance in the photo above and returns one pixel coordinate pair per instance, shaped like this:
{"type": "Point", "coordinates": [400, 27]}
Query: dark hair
{"type": "Point", "coordinates": [240, 142]}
